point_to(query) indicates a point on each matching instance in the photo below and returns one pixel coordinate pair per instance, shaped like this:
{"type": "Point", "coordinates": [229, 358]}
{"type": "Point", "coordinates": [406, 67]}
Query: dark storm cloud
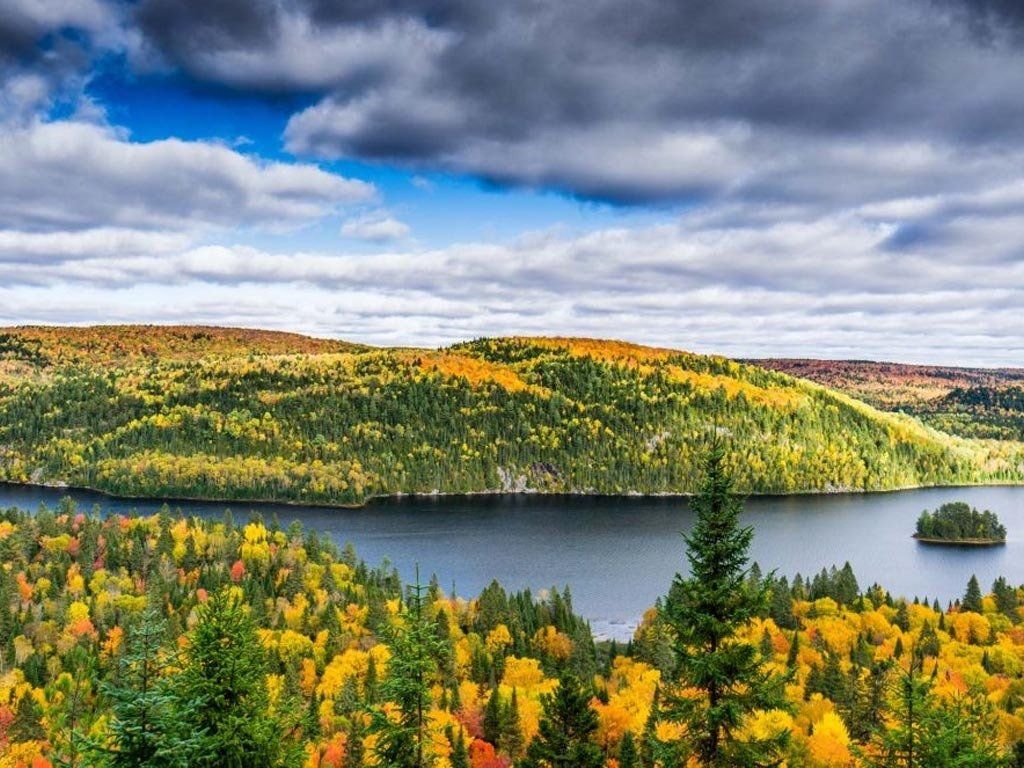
{"type": "Point", "coordinates": [603, 98]}
{"type": "Point", "coordinates": [989, 20]}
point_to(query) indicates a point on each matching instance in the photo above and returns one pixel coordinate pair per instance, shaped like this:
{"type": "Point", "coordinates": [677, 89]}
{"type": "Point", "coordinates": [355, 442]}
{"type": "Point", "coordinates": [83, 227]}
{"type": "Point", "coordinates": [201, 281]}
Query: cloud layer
{"type": "Point", "coordinates": [664, 102]}
{"type": "Point", "coordinates": [830, 179]}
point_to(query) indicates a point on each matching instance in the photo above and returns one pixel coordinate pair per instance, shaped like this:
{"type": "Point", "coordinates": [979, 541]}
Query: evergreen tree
{"type": "Point", "coordinates": [902, 619]}
{"type": "Point", "coordinates": [781, 609]}
{"type": "Point", "coordinates": [493, 720]}
{"type": "Point", "coordinates": [355, 752]}
{"type": "Point", "coordinates": [565, 738]}
{"type": "Point", "coordinates": [846, 588]}
{"type": "Point", "coordinates": [404, 742]}
{"type": "Point", "coordinates": [649, 744]}
{"type": "Point", "coordinates": [1005, 597]}
{"type": "Point", "coordinates": [27, 724]}
{"type": "Point", "coordinates": [221, 693]}
{"type": "Point", "coordinates": [706, 610]}
{"type": "Point", "coordinates": [767, 647]}
{"type": "Point", "coordinates": [870, 701]}
{"type": "Point", "coordinates": [459, 757]}
{"type": "Point", "coordinates": [512, 740]}
{"type": "Point", "coordinates": [926, 734]}
{"type": "Point", "coordinates": [928, 642]}
{"type": "Point", "coordinates": [794, 651]}
{"type": "Point", "coordinates": [972, 597]}
{"type": "Point", "coordinates": [628, 755]}
{"type": "Point", "coordinates": [145, 729]}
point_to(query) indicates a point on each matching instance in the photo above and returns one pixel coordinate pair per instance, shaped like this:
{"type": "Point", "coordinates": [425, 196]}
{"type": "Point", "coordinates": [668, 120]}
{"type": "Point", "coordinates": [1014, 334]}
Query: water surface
{"type": "Point", "coordinates": [619, 554]}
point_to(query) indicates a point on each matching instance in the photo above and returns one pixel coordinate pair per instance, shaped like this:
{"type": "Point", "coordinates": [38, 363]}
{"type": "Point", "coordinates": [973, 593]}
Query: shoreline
{"type": "Point", "coordinates": [263, 502]}
{"type": "Point", "coordinates": [937, 542]}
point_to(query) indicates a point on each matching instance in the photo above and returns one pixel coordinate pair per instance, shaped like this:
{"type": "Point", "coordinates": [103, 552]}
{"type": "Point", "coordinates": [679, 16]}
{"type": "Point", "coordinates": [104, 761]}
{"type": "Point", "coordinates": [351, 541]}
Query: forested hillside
{"type": "Point", "coordinates": [983, 403]}
{"type": "Point", "coordinates": [232, 414]}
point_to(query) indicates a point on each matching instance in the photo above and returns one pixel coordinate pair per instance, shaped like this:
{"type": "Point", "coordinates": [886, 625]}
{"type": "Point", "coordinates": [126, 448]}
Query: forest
{"type": "Point", "coordinates": [957, 521]}
{"type": "Point", "coordinates": [173, 641]}
{"type": "Point", "coordinates": [253, 415]}
{"type": "Point", "coordinates": [984, 403]}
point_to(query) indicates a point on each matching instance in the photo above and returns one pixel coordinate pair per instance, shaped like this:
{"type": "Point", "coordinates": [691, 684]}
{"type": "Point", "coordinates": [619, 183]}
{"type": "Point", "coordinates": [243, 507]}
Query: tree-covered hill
{"type": "Point", "coordinates": [232, 414]}
{"type": "Point", "coordinates": [985, 403]}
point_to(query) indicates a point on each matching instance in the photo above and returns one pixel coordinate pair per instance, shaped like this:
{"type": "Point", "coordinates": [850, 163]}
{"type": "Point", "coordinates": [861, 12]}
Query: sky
{"type": "Point", "coordinates": [800, 178]}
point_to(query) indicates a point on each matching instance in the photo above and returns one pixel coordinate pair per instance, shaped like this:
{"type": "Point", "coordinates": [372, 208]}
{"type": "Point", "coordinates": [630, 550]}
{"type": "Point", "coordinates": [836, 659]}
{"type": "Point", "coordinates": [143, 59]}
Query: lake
{"type": "Point", "coordinates": [619, 554]}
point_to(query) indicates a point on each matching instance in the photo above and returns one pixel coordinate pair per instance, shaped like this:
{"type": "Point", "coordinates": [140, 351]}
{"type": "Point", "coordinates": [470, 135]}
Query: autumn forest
{"type": "Point", "coordinates": [176, 641]}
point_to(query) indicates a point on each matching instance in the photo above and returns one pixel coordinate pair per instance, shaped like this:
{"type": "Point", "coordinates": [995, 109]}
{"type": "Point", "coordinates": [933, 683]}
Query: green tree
{"type": "Point", "coordinates": [565, 738]}
{"type": "Point", "coordinates": [355, 752]}
{"type": "Point", "coordinates": [403, 741]}
{"type": "Point", "coordinates": [221, 693]}
{"type": "Point", "coordinates": [706, 610]}
{"type": "Point", "coordinates": [459, 757]}
{"type": "Point", "coordinates": [628, 755]}
{"type": "Point", "coordinates": [145, 729]}
{"type": "Point", "coordinates": [925, 734]}
{"type": "Point", "coordinates": [494, 718]}
{"type": "Point", "coordinates": [972, 597]}
{"type": "Point", "coordinates": [512, 729]}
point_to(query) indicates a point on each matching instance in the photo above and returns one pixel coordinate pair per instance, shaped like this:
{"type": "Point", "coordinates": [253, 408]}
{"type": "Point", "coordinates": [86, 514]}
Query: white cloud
{"type": "Point", "coordinates": [103, 242]}
{"type": "Point", "coordinates": [825, 286]}
{"type": "Point", "coordinates": [71, 175]}
{"type": "Point", "coordinates": [376, 227]}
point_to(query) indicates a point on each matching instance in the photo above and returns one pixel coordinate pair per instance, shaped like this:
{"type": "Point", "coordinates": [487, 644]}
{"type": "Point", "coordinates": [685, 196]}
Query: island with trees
{"type": "Point", "coordinates": [960, 524]}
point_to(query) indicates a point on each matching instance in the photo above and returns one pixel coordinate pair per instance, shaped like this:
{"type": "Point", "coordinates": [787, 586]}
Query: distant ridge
{"type": "Point", "coordinates": [970, 402]}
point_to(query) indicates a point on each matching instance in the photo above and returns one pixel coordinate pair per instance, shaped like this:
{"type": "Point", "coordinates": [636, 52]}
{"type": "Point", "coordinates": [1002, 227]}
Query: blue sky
{"type": "Point", "coordinates": [793, 178]}
{"type": "Point", "coordinates": [439, 207]}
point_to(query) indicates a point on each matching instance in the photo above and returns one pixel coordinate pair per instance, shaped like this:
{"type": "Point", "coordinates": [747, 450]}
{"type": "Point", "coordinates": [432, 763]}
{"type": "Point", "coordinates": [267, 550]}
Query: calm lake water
{"type": "Point", "coordinates": [619, 554]}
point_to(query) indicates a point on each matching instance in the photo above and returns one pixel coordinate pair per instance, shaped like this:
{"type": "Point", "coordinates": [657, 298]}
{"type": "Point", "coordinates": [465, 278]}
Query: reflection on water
{"type": "Point", "coordinates": [619, 554]}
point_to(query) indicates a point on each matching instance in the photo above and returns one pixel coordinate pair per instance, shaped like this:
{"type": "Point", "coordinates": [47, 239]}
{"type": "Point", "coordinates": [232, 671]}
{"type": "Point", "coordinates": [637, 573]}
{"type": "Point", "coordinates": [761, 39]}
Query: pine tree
{"type": "Point", "coordinates": [928, 642]}
{"type": "Point", "coordinates": [902, 619]}
{"type": "Point", "coordinates": [354, 749]}
{"type": "Point", "coordinates": [628, 756]}
{"type": "Point", "coordinates": [512, 740]}
{"type": "Point", "coordinates": [459, 757]}
{"type": "Point", "coordinates": [27, 724]}
{"type": "Point", "coordinates": [706, 610]}
{"type": "Point", "coordinates": [222, 695]}
{"type": "Point", "coordinates": [404, 742]}
{"type": "Point", "coordinates": [781, 609]}
{"type": "Point", "coordinates": [870, 701]}
{"type": "Point", "coordinates": [1005, 597]}
{"type": "Point", "coordinates": [899, 746]}
{"type": "Point", "coordinates": [145, 729]}
{"type": "Point", "coordinates": [565, 738]}
{"type": "Point", "coordinates": [972, 597]}
{"type": "Point", "coordinates": [847, 588]}
{"type": "Point", "coordinates": [649, 744]}
{"type": "Point", "coordinates": [493, 718]}
{"type": "Point", "coordinates": [794, 651]}
{"type": "Point", "coordinates": [767, 647]}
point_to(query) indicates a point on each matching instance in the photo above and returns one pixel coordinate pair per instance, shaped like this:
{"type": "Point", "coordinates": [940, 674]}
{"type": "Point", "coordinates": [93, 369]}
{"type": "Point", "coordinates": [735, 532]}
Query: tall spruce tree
{"type": "Point", "coordinates": [565, 738]}
{"type": "Point", "coordinates": [145, 729]}
{"type": "Point", "coordinates": [628, 755]}
{"type": "Point", "coordinates": [404, 741]}
{"type": "Point", "coordinates": [972, 597]}
{"type": "Point", "coordinates": [221, 693]}
{"type": "Point", "coordinates": [706, 610]}
{"type": "Point", "coordinates": [512, 739]}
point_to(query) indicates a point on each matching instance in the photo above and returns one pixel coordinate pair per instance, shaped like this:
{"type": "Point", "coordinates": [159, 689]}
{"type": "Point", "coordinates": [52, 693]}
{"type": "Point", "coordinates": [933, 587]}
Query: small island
{"type": "Point", "coordinates": [960, 524]}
